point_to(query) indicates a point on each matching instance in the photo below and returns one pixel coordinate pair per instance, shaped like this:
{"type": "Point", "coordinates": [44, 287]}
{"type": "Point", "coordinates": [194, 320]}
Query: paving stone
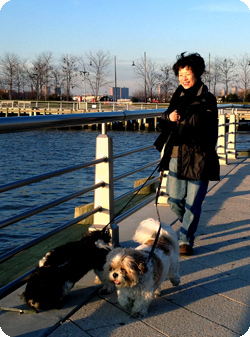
{"type": "Point", "coordinates": [213, 307]}
{"type": "Point", "coordinates": [99, 313]}
{"type": "Point", "coordinates": [176, 321]}
{"type": "Point", "coordinates": [68, 329]}
{"type": "Point", "coordinates": [100, 318]}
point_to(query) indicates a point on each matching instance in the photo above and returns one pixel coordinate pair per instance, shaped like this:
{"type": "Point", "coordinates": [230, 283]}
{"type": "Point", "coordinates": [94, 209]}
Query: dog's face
{"type": "Point", "coordinates": [125, 266]}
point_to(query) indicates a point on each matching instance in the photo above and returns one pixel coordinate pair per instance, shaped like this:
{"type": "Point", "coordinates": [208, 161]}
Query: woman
{"type": "Point", "coordinates": [189, 131]}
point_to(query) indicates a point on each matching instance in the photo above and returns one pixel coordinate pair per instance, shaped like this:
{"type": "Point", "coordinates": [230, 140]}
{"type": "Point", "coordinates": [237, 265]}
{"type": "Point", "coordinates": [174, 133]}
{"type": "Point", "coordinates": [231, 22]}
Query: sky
{"type": "Point", "coordinates": [126, 29]}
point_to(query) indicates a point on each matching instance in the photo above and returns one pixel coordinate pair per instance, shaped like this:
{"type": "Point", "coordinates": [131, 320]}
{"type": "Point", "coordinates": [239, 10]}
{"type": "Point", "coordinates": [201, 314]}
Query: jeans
{"type": "Point", "coordinates": [185, 200]}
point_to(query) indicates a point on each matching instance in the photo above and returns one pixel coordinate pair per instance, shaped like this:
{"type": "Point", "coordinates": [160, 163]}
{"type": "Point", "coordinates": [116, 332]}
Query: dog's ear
{"type": "Point", "coordinates": [142, 267]}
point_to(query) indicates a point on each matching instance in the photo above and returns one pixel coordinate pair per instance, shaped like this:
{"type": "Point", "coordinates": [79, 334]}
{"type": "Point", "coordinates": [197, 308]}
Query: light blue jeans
{"type": "Point", "coordinates": [185, 200]}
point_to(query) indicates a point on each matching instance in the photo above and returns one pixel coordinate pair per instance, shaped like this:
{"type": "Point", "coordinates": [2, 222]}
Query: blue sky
{"type": "Point", "coordinates": [161, 28]}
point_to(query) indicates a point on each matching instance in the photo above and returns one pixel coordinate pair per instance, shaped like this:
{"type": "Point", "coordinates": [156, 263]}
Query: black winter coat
{"type": "Point", "coordinates": [195, 135]}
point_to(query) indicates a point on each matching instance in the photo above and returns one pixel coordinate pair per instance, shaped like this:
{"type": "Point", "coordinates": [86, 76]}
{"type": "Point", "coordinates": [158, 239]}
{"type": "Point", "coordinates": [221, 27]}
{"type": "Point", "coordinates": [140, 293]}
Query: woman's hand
{"type": "Point", "coordinates": [174, 116]}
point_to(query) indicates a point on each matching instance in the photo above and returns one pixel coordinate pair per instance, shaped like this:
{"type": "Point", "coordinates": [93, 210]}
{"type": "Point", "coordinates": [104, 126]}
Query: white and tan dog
{"type": "Point", "coordinates": [138, 280]}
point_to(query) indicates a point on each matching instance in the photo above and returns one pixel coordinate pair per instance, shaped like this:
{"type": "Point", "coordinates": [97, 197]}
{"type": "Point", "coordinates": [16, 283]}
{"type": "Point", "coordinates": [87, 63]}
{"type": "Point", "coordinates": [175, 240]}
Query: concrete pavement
{"type": "Point", "coordinates": [213, 298]}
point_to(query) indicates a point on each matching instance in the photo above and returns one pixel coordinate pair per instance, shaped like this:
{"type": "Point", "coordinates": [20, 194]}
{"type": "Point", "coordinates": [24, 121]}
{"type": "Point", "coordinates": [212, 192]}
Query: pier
{"type": "Point", "coordinates": [46, 108]}
{"type": "Point", "coordinates": [213, 298]}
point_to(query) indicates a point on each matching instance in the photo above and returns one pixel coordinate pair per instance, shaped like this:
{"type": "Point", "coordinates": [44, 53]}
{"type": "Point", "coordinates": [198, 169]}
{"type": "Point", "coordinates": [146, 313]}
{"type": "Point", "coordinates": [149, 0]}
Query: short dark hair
{"type": "Point", "coordinates": [194, 61]}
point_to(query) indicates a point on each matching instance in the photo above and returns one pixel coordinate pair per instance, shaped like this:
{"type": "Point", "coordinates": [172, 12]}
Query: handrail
{"type": "Point", "coordinates": [233, 106]}
{"type": "Point", "coordinates": [28, 181]}
{"type": "Point", "coordinates": [135, 189]}
{"type": "Point", "coordinates": [121, 176]}
{"type": "Point", "coordinates": [132, 210]}
{"type": "Point", "coordinates": [49, 205]}
{"type": "Point", "coordinates": [20, 280]}
{"type": "Point", "coordinates": [123, 154]}
{"type": "Point", "coordinates": [15, 124]}
{"type": "Point", "coordinates": [29, 244]}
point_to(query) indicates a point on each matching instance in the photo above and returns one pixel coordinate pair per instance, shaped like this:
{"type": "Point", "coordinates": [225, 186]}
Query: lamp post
{"type": "Point", "coordinates": [209, 72]}
{"type": "Point", "coordinates": [145, 75]}
{"type": "Point", "coordinates": [85, 74]}
{"type": "Point", "coordinates": [115, 96]}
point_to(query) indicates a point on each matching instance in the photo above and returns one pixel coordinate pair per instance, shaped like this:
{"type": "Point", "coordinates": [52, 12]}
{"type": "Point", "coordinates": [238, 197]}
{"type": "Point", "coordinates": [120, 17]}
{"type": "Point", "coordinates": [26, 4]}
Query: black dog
{"type": "Point", "coordinates": [63, 266]}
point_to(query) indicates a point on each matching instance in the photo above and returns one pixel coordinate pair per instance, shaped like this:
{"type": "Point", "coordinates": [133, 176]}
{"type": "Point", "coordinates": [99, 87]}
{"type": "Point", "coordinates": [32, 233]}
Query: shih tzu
{"type": "Point", "coordinates": [137, 278]}
{"type": "Point", "coordinates": [62, 267]}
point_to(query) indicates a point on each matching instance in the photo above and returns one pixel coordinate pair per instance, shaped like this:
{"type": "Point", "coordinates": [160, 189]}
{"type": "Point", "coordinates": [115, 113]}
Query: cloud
{"type": "Point", "coordinates": [247, 2]}
{"type": "Point", "coordinates": [223, 7]}
{"type": "Point", "coordinates": [2, 2]}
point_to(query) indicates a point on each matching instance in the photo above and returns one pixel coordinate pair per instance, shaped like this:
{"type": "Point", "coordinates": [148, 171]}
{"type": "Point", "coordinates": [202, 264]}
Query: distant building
{"type": "Point", "coordinates": [112, 93]}
{"type": "Point", "coordinates": [234, 91]}
{"type": "Point", "coordinates": [124, 93]}
{"type": "Point", "coordinates": [48, 90]}
{"type": "Point", "coordinates": [223, 92]}
{"type": "Point", "coordinates": [121, 93]}
{"type": "Point", "coordinates": [58, 91]}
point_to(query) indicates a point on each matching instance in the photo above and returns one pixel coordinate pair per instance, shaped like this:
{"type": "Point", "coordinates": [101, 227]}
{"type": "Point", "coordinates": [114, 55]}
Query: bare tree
{"type": "Point", "coordinates": [167, 81]}
{"type": "Point", "coordinates": [244, 72]}
{"type": "Point", "coordinates": [227, 73]}
{"type": "Point", "coordinates": [215, 74]}
{"type": "Point", "coordinates": [152, 78]}
{"type": "Point", "coordinates": [21, 78]}
{"type": "Point", "coordinates": [69, 71]}
{"type": "Point", "coordinates": [40, 74]}
{"type": "Point", "coordinates": [147, 71]}
{"type": "Point", "coordinates": [97, 66]}
{"type": "Point", "coordinates": [57, 79]}
{"type": "Point", "coordinates": [10, 63]}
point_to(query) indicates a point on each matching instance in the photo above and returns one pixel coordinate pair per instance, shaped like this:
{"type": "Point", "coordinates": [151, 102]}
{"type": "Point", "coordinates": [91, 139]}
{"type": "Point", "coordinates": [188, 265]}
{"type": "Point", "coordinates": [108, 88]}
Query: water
{"type": "Point", "coordinates": [27, 154]}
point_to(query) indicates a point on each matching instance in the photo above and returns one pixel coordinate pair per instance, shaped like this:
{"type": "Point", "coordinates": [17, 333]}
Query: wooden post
{"type": "Point", "coordinates": [221, 148]}
{"type": "Point", "coordinates": [231, 151]}
{"type": "Point", "coordinates": [155, 123]}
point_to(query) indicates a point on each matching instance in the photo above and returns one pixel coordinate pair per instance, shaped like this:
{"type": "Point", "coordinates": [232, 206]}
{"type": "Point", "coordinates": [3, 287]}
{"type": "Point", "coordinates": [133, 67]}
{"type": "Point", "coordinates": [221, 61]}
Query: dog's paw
{"type": "Point", "coordinates": [175, 282]}
{"type": "Point", "coordinates": [139, 311]}
{"type": "Point", "coordinates": [139, 314]}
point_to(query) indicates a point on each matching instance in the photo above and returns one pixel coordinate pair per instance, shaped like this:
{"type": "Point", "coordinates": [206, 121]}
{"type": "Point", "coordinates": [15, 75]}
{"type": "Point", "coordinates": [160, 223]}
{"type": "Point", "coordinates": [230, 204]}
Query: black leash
{"type": "Point", "coordinates": [158, 193]}
{"type": "Point", "coordinates": [158, 215]}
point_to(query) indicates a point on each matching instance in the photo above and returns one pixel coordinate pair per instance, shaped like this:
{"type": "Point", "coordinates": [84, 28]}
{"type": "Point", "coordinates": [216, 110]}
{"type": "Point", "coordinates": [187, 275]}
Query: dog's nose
{"type": "Point", "coordinates": [115, 275]}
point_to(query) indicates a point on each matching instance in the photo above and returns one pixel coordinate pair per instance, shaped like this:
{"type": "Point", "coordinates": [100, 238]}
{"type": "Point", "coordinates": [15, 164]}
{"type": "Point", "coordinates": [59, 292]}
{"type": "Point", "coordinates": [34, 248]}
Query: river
{"type": "Point", "coordinates": [26, 154]}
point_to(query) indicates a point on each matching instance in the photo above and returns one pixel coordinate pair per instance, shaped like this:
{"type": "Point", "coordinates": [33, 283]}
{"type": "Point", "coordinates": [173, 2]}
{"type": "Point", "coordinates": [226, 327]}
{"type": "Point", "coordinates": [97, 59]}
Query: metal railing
{"type": "Point", "coordinates": [104, 206]}
{"type": "Point", "coordinates": [236, 115]}
{"type": "Point", "coordinates": [32, 108]}
{"type": "Point", "coordinates": [15, 124]}
{"type": "Point", "coordinates": [103, 211]}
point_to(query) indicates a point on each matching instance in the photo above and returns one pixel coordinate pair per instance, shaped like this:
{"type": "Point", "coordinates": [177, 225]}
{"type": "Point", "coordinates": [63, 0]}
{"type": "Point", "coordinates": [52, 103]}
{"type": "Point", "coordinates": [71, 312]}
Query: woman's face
{"type": "Point", "coordinates": [186, 77]}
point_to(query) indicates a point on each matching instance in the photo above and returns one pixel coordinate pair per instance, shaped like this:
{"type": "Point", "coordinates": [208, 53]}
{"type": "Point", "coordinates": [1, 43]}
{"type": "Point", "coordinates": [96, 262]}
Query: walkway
{"type": "Point", "coordinates": [213, 298]}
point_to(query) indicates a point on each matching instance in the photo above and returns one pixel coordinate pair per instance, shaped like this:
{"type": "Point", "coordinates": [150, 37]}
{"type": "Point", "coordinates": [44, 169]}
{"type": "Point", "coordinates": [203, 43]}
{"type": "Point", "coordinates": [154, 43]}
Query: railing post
{"type": "Point", "coordinates": [104, 196]}
{"type": "Point", "coordinates": [221, 149]}
{"type": "Point", "coordinates": [231, 151]}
